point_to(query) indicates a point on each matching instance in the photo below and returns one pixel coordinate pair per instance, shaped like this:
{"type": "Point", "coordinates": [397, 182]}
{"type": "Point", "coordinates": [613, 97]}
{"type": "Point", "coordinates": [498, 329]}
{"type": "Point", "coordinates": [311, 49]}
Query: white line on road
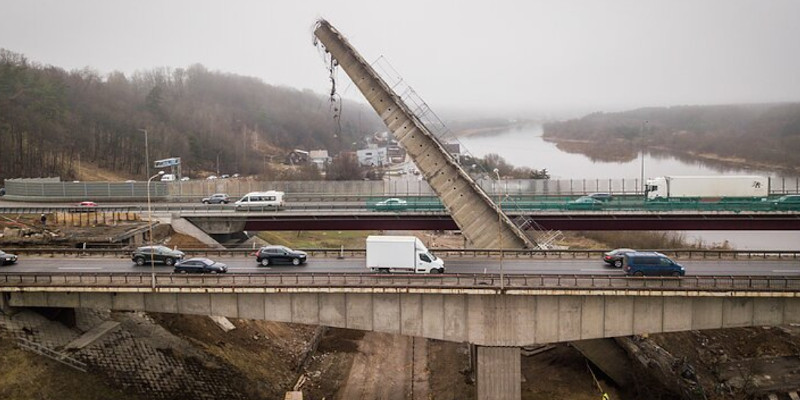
{"type": "Point", "coordinates": [786, 270]}
{"type": "Point", "coordinates": [80, 267]}
{"type": "Point", "coordinates": [595, 270]}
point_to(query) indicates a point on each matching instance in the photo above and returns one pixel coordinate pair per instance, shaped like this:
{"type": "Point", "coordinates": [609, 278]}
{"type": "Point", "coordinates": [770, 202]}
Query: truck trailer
{"type": "Point", "coordinates": [401, 254]}
{"type": "Point", "coordinates": [707, 187]}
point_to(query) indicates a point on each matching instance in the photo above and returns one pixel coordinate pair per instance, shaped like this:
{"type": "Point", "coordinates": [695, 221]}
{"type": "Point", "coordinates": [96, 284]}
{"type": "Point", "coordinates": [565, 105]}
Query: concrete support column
{"type": "Point", "coordinates": [499, 373]}
{"type": "Point", "coordinates": [5, 308]}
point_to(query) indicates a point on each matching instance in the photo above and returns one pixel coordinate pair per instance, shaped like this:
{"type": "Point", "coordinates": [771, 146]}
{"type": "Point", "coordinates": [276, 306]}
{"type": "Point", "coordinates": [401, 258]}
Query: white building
{"type": "Point", "coordinates": [373, 157]}
{"type": "Point", "coordinates": [319, 158]}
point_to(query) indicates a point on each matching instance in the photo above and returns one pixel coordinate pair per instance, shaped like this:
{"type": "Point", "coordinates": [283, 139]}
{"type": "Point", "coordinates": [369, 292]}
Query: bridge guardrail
{"type": "Point", "coordinates": [424, 205]}
{"type": "Point", "coordinates": [440, 252]}
{"type": "Point", "coordinates": [368, 280]}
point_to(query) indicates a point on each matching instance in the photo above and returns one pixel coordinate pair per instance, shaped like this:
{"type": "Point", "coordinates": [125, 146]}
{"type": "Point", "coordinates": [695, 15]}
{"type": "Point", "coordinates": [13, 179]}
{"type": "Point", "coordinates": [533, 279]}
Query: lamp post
{"type": "Point", "coordinates": [500, 227]}
{"type": "Point", "coordinates": [146, 154]}
{"type": "Point", "coordinates": [641, 137]}
{"type": "Point", "coordinates": [150, 225]}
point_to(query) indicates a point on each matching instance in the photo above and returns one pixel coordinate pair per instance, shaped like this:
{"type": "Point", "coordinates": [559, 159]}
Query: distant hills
{"type": "Point", "coordinates": [52, 119]}
{"type": "Point", "coordinates": [762, 135]}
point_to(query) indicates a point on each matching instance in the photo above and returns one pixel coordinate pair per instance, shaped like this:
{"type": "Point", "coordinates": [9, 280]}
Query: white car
{"type": "Point", "coordinates": [211, 178]}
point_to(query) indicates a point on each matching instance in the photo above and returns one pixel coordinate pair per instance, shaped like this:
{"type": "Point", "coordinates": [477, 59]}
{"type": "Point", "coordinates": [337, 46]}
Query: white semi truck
{"type": "Point", "coordinates": [708, 187]}
{"type": "Point", "coordinates": [401, 254]}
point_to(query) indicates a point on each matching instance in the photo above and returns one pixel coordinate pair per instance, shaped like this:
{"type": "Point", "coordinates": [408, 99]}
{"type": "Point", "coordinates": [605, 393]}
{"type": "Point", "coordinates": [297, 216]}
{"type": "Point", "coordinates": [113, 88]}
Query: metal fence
{"type": "Point", "coordinates": [47, 190]}
{"type": "Point", "coordinates": [371, 282]}
{"type": "Point", "coordinates": [35, 190]}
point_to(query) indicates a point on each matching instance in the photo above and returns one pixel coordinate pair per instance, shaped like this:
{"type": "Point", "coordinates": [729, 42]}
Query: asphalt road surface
{"type": "Point", "coordinates": [248, 265]}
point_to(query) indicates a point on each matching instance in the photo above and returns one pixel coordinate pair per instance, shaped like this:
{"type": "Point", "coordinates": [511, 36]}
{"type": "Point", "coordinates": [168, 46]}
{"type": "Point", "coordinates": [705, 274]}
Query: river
{"type": "Point", "coordinates": [524, 146]}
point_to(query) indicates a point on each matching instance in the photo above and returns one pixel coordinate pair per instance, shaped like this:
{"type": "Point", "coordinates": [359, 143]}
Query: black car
{"type": "Point", "coordinates": [217, 198]}
{"type": "Point", "coordinates": [159, 254]}
{"type": "Point", "coordinates": [200, 265]}
{"type": "Point", "coordinates": [280, 254]}
{"type": "Point", "coordinates": [616, 256]}
{"type": "Point", "coordinates": [7, 258]}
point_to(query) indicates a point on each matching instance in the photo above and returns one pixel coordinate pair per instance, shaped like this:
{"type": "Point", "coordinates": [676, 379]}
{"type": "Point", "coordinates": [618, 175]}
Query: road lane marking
{"type": "Point", "coordinates": [786, 270]}
{"type": "Point", "coordinates": [80, 267]}
{"type": "Point", "coordinates": [599, 270]}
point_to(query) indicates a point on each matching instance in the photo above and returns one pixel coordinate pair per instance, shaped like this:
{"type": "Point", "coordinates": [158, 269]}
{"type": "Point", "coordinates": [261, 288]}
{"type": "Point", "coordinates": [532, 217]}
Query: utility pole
{"type": "Point", "coordinates": [146, 154]}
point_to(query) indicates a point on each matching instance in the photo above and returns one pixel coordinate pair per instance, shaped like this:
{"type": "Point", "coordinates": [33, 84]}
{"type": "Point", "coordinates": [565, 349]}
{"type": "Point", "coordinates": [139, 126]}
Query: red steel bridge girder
{"type": "Point", "coordinates": [658, 222]}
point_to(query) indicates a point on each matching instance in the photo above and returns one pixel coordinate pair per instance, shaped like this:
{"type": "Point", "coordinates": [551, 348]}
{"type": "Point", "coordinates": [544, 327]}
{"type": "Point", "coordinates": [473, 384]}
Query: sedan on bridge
{"type": "Point", "coordinates": [788, 202]}
{"type": "Point", "coordinates": [585, 203]}
{"type": "Point", "coordinates": [200, 265]}
{"type": "Point", "coordinates": [616, 257]}
{"type": "Point", "coordinates": [7, 258]}
{"type": "Point", "coordinates": [391, 204]}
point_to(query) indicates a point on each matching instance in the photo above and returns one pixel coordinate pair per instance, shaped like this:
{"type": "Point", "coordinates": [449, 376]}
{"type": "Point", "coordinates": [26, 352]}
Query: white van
{"type": "Point", "coordinates": [270, 199]}
{"type": "Point", "coordinates": [168, 178]}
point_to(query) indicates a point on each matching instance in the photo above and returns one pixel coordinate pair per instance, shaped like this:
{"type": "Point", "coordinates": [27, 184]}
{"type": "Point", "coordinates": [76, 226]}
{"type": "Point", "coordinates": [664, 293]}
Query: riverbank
{"type": "Point", "coordinates": [619, 150]}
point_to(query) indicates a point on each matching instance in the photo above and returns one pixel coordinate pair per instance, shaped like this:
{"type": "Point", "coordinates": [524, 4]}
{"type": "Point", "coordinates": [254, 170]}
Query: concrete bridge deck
{"type": "Point", "coordinates": [472, 308]}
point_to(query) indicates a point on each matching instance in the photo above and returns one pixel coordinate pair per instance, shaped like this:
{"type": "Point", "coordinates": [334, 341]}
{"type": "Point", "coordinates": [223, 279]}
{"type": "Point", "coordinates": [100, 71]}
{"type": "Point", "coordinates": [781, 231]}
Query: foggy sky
{"type": "Point", "coordinates": [497, 56]}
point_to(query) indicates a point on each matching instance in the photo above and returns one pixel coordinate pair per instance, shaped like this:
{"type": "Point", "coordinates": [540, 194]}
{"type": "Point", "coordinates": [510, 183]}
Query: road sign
{"type": "Point", "coordinates": [168, 162]}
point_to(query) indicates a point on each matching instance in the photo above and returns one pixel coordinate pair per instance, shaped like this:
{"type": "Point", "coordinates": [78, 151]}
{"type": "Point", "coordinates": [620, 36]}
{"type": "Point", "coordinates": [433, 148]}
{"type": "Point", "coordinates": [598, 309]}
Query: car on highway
{"type": "Point", "coordinates": [602, 196]}
{"type": "Point", "coordinates": [788, 202]}
{"type": "Point", "coordinates": [616, 257]}
{"type": "Point", "coordinates": [200, 265]}
{"type": "Point", "coordinates": [211, 178]}
{"type": "Point", "coordinates": [7, 258]}
{"type": "Point", "coordinates": [158, 254]}
{"type": "Point", "coordinates": [268, 255]}
{"type": "Point", "coordinates": [217, 198]}
{"type": "Point", "coordinates": [585, 203]}
{"type": "Point", "coordinates": [391, 204]}
{"type": "Point", "coordinates": [87, 204]}
{"type": "Point", "coordinates": [651, 263]}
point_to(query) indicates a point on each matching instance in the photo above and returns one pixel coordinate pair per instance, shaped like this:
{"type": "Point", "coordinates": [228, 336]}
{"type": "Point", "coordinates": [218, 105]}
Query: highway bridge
{"type": "Point", "coordinates": [544, 297]}
{"type": "Point", "coordinates": [323, 215]}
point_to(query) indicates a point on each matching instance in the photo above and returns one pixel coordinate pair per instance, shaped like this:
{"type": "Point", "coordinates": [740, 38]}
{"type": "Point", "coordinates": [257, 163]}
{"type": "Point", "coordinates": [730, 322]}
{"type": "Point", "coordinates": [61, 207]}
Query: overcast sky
{"type": "Point", "coordinates": [497, 56]}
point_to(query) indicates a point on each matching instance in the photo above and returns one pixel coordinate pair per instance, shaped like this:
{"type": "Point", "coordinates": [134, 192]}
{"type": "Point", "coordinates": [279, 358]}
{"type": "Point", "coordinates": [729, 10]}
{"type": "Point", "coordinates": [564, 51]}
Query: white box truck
{"type": "Point", "coordinates": [678, 187]}
{"type": "Point", "coordinates": [401, 254]}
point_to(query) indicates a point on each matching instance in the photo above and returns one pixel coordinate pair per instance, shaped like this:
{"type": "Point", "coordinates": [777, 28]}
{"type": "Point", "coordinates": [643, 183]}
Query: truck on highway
{"type": "Point", "coordinates": [401, 254]}
{"type": "Point", "coordinates": [707, 187]}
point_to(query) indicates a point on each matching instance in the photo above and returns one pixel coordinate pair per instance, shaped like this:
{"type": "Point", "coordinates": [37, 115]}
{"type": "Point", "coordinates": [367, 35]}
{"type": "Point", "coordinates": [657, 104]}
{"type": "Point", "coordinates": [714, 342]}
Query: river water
{"type": "Point", "coordinates": [524, 146]}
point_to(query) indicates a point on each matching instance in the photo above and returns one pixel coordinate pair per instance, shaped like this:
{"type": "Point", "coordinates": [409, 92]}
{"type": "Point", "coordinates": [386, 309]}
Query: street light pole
{"type": "Point", "coordinates": [500, 227]}
{"type": "Point", "coordinates": [146, 154]}
{"type": "Point", "coordinates": [150, 225]}
{"type": "Point", "coordinates": [641, 137]}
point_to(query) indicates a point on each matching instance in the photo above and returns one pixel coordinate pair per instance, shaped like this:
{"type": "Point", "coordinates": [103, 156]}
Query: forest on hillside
{"type": "Point", "coordinates": [52, 119]}
{"type": "Point", "coordinates": [760, 134]}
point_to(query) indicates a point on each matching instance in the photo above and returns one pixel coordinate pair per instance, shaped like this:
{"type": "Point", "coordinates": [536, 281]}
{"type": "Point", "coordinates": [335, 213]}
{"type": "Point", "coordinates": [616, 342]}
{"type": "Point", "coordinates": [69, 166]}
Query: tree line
{"type": "Point", "coordinates": [52, 119]}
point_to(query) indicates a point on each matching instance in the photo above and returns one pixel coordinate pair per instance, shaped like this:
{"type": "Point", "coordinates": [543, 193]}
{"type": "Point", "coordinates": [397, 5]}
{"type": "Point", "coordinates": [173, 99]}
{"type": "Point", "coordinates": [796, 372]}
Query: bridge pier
{"type": "Point", "coordinates": [5, 308]}
{"type": "Point", "coordinates": [499, 373]}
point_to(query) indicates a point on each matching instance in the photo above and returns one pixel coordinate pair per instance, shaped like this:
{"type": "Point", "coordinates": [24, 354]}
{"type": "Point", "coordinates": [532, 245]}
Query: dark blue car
{"type": "Point", "coordinates": [651, 263]}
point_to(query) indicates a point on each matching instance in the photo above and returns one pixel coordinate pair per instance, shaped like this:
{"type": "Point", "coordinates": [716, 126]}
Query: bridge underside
{"type": "Point", "coordinates": [587, 222]}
